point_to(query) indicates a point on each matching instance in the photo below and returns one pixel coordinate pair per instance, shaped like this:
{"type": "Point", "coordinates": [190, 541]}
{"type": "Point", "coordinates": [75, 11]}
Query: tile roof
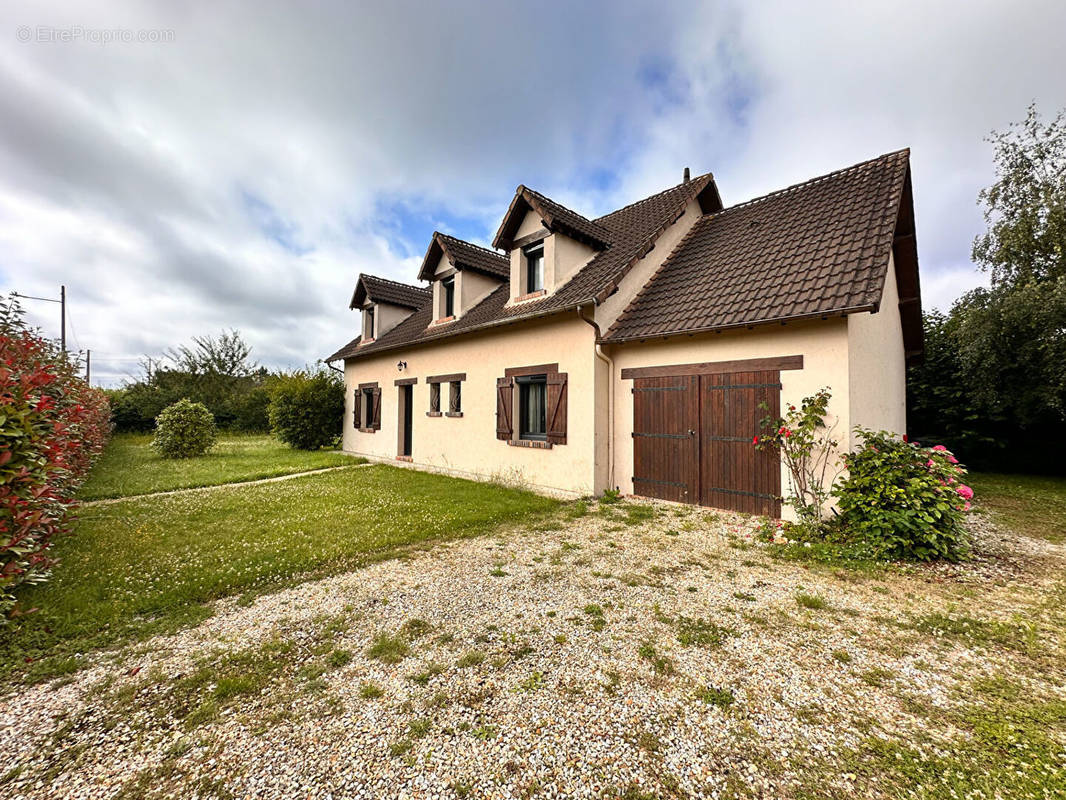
{"type": "Point", "coordinates": [816, 248]}
{"type": "Point", "coordinates": [382, 290]}
{"type": "Point", "coordinates": [556, 217]}
{"type": "Point", "coordinates": [463, 255]}
{"type": "Point", "coordinates": [632, 231]}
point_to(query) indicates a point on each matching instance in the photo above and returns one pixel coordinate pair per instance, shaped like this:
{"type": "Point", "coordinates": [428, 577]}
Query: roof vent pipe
{"type": "Point", "coordinates": [686, 178]}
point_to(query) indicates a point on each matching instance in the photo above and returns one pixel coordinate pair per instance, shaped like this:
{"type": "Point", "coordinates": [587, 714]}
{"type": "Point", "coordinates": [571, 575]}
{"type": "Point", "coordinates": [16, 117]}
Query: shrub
{"type": "Point", "coordinates": [307, 408]}
{"type": "Point", "coordinates": [52, 428]}
{"type": "Point", "coordinates": [184, 430]}
{"type": "Point", "coordinates": [904, 500]}
{"type": "Point", "coordinates": [806, 445]}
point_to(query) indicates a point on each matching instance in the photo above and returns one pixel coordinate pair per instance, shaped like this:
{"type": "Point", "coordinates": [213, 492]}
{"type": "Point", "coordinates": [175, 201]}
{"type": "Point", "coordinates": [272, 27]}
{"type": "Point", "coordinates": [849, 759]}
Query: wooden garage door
{"type": "Point", "coordinates": [665, 425]}
{"type": "Point", "coordinates": [733, 473]}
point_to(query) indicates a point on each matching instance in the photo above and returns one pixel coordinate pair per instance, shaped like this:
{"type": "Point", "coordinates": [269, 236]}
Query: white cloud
{"type": "Point", "coordinates": [243, 175]}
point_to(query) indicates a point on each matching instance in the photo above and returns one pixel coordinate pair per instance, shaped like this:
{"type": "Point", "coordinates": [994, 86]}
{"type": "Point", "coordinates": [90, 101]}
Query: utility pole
{"type": "Point", "coordinates": [88, 358]}
{"type": "Point", "coordinates": [63, 318]}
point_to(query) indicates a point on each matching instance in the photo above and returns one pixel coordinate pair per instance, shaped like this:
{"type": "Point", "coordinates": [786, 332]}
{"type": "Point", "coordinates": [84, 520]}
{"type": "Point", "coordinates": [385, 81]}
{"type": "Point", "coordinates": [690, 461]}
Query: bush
{"type": "Point", "coordinates": [252, 411]}
{"type": "Point", "coordinates": [904, 500]}
{"type": "Point", "coordinates": [184, 430]}
{"type": "Point", "coordinates": [53, 426]}
{"type": "Point", "coordinates": [307, 408]}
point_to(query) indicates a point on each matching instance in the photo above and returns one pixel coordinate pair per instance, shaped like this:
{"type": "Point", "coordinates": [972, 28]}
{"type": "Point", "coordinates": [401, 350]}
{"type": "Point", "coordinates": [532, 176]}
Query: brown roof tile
{"type": "Point", "coordinates": [816, 248]}
{"type": "Point", "coordinates": [632, 231]}
{"type": "Point", "coordinates": [463, 255]}
{"type": "Point", "coordinates": [382, 290]}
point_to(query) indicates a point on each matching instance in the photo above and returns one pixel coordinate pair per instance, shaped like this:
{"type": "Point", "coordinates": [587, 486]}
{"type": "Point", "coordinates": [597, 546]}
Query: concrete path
{"type": "Point", "coordinates": [109, 500]}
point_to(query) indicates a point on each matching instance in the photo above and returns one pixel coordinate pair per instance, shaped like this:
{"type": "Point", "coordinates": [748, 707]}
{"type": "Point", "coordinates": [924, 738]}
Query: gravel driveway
{"type": "Point", "coordinates": [635, 651]}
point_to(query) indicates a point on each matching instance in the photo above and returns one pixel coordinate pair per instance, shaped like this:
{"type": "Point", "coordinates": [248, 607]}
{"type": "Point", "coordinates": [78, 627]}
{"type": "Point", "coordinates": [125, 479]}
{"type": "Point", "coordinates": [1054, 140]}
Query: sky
{"type": "Point", "coordinates": [188, 168]}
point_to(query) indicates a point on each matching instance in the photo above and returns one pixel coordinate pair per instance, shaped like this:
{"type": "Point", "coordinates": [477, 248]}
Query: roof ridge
{"type": "Point", "coordinates": [470, 244]}
{"type": "Point", "coordinates": [417, 288]}
{"type": "Point", "coordinates": [704, 177]}
{"type": "Point", "coordinates": [811, 181]}
{"type": "Point", "coordinates": [543, 196]}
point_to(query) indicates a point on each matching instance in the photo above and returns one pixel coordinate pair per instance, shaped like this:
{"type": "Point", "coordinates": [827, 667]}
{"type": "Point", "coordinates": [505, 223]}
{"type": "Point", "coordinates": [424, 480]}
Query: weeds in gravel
{"type": "Point", "coordinates": [370, 691]}
{"type": "Point", "coordinates": [595, 614]}
{"type": "Point", "coordinates": [1011, 747]}
{"type": "Point", "coordinates": [877, 676]}
{"type": "Point", "coordinates": [471, 658]}
{"type": "Point", "coordinates": [843, 656]}
{"type": "Point", "coordinates": [400, 747]}
{"type": "Point", "coordinates": [484, 732]}
{"type": "Point", "coordinates": [700, 632]}
{"type": "Point", "coordinates": [339, 658]}
{"type": "Point", "coordinates": [660, 663]}
{"type": "Point", "coordinates": [1013, 636]}
{"type": "Point", "coordinates": [713, 696]}
{"type": "Point", "coordinates": [639, 514]}
{"type": "Point", "coordinates": [431, 670]}
{"type": "Point", "coordinates": [389, 649]}
{"type": "Point", "coordinates": [532, 683]}
{"type": "Point", "coordinates": [811, 601]}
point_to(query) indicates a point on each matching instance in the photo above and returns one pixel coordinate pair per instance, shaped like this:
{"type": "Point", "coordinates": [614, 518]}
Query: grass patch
{"type": "Point", "coordinates": [1013, 636]}
{"type": "Point", "coordinates": [1031, 505]}
{"type": "Point", "coordinates": [713, 696]}
{"type": "Point", "coordinates": [370, 691]}
{"type": "Point", "coordinates": [470, 659]}
{"type": "Point", "coordinates": [1011, 747]}
{"type": "Point", "coordinates": [811, 601]}
{"type": "Point", "coordinates": [700, 633]}
{"type": "Point", "coordinates": [151, 565]}
{"type": "Point", "coordinates": [130, 467]}
{"type": "Point", "coordinates": [389, 649]}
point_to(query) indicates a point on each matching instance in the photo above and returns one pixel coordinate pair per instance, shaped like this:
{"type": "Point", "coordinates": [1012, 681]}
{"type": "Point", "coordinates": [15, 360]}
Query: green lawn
{"type": "Point", "coordinates": [151, 564]}
{"type": "Point", "coordinates": [130, 467]}
{"type": "Point", "coordinates": [1032, 505]}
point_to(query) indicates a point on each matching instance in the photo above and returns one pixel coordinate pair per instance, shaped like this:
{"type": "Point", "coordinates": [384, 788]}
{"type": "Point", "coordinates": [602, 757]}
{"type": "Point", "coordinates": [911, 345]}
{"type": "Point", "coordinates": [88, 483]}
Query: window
{"type": "Point", "coordinates": [448, 287]}
{"type": "Point", "coordinates": [368, 322]}
{"type": "Point", "coordinates": [532, 407]}
{"type": "Point", "coordinates": [455, 398]}
{"type": "Point", "coordinates": [368, 407]}
{"type": "Point", "coordinates": [534, 268]}
{"type": "Point", "coordinates": [434, 398]}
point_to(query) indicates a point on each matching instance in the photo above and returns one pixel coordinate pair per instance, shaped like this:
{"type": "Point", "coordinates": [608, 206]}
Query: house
{"type": "Point", "coordinates": [633, 351]}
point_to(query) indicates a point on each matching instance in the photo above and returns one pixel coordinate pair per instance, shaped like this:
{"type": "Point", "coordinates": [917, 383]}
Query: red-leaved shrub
{"type": "Point", "coordinates": [53, 425]}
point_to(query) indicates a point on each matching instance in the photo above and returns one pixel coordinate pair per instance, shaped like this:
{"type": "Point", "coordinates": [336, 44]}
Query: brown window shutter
{"type": "Point", "coordinates": [356, 407]}
{"type": "Point", "coordinates": [504, 400]}
{"type": "Point", "coordinates": [556, 407]}
{"type": "Point", "coordinates": [376, 416]}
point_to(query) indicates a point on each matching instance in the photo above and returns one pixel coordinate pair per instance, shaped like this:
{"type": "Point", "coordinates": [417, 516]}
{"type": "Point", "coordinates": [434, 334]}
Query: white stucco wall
{"type": "Point", "coordinates": [877, 364]}
{"type": "Point", "coordinates": [468, 446]}
{"type": "Point", "coordinates": [823, 345]}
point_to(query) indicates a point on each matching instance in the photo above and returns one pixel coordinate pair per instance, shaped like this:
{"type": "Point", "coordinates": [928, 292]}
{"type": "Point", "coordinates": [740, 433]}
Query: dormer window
{"type": "Point", "coordinates": [534, 258]}
{"type": "Point", "coordinates": [368, 322]}
{"type": "Point", "coordinates": [448, 288]}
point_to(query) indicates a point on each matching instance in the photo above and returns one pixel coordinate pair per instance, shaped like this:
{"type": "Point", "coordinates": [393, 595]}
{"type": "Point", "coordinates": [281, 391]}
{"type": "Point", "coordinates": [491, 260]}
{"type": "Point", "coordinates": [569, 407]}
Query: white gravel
{"type": "Point", "coordinates": [562, 705]}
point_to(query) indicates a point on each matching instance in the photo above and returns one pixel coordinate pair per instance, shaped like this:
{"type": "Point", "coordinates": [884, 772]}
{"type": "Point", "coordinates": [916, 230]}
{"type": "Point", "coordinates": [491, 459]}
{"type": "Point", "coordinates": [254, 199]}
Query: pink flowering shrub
{"type": "Point", "coordinates": [904, 500]}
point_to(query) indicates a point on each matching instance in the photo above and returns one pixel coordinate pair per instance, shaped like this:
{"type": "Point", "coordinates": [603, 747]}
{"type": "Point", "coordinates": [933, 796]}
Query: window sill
{"type": "Point", "coordinates": [408, 459]}
{"type": "Point", "coordinates": [444, 320]}
{"type": "Point", "coordinates": [530, 296]}
{"type": "Point", "coordinates": [453, 413]}
{"type": "Point", "coordinates": [367, 341]}
{"type": "Point", "coordinates": [434, 414]}
{"type": "Point", "coordinates": [368, 430]}
{"type": "Point", "coordinates": [534, 443]}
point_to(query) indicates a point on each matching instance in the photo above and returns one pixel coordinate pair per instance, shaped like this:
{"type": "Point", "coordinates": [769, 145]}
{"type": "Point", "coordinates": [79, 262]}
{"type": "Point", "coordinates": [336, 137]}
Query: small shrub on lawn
{"type": "Point", "coordinates": [184, 430]}
{"type": "Point", "coordinates": [307, 408]}
{"type": "Point", "coordinates": [904, 500]}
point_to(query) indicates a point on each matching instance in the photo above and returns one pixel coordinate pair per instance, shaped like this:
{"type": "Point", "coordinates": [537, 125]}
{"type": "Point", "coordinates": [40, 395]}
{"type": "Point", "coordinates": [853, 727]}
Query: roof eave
{"type": "Point", "coordinates": [840, 312]}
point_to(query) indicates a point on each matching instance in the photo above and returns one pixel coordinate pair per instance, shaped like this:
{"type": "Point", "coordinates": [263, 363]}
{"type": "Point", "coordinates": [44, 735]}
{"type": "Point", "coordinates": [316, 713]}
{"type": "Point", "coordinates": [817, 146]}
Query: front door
{"type": "Point", "coordinates": [406, 418]}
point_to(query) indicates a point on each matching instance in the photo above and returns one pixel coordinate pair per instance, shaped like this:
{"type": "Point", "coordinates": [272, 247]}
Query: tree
{"type": "Point", "coordinates": [307, 408]}
{"type": "Point", "coordinates": [1026, 207]}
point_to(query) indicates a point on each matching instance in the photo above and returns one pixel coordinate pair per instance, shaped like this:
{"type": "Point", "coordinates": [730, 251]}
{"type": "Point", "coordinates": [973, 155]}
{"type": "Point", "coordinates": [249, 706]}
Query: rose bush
{"type": "Point", "coordinates": [906, 501]}
{"type": "Point", "coordinates": [52, 428]}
